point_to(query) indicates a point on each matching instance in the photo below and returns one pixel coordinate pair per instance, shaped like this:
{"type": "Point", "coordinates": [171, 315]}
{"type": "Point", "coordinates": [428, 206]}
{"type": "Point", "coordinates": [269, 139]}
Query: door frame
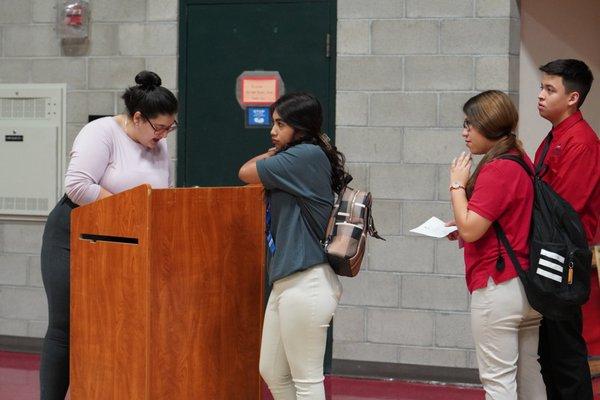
{"type": "Point", "coordinates": [182, 179]}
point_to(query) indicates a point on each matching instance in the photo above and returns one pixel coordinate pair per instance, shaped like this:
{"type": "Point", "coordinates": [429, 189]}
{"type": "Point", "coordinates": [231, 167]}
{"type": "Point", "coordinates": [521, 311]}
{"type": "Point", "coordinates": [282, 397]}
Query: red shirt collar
{"type": "Point", "coordinates": [565, 125]}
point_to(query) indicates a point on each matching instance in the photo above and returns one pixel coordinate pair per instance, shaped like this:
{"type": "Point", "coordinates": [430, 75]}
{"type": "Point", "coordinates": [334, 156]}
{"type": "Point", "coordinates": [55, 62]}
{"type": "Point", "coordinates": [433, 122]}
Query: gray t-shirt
{"type": "Point", "coordinates": [301, 173]}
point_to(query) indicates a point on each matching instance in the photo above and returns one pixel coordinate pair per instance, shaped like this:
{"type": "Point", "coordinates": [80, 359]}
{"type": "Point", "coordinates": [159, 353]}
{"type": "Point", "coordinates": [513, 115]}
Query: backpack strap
{"type": "Point", "coordinates": [372, 230]}
{"type": "Point", "coordinates": [347, 179]}
{"type": "Point", "coordinates": [314, 227]}
{"type": "Point", "coordinates": [511, 253]}
{"type": "Point", "coordinates": [499, 231]}
{"type": "Point", "coordinates": [307, 216]}
{"type": "Point", "coordinates": [518, 160]}
{"type": "Point", "coordinates": [540, 165]}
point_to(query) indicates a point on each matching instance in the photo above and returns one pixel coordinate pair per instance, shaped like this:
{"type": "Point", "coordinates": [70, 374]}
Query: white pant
{"type": "Point", "coordinates": [506, 333]}
{"type": "Point", "coordinates": [294, 334]}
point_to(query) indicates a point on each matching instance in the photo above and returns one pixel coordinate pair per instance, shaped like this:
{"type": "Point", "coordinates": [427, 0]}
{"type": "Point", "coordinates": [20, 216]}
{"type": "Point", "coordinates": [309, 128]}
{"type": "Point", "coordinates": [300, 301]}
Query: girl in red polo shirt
{"type": "Point", "coordinates": [505, 327]}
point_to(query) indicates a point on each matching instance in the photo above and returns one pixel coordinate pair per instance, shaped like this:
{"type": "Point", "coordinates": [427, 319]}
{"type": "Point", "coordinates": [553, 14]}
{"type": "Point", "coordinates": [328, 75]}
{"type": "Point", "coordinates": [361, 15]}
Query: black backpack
{"type": "Point", "coordinates": [557, 282]}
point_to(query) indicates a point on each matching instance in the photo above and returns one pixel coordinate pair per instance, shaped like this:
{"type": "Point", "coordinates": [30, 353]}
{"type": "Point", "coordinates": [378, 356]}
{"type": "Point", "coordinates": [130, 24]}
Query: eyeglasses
{"type": "Point", "coordinates": [164, 129]}
{"type": "Point", "coordinates": [466, 124]}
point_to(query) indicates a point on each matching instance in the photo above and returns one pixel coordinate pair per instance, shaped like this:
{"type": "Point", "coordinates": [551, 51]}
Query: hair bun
{"type": "Point", "coordinates": [148, 80]}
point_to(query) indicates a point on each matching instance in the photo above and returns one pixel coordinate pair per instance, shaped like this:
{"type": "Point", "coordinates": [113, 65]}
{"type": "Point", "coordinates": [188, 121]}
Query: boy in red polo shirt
{"type": "Point", "coordinates": [572, 169]}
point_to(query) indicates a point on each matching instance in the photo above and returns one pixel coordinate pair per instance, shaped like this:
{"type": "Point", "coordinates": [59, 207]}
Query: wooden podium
{"type": "Point", "coordinates": [167, 295]}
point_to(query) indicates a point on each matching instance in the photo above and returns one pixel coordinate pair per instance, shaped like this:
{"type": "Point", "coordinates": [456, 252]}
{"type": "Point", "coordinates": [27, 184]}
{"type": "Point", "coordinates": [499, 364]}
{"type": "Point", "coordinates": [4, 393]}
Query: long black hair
{"type": "Point", "coordinates": [149, 97]}
{"type": "Point", "coordinates": [303, 112]}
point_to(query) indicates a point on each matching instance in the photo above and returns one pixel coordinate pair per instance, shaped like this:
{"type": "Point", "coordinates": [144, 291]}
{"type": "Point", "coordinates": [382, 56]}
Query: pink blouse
{"type": "Point", "coordinates": [103, 155]}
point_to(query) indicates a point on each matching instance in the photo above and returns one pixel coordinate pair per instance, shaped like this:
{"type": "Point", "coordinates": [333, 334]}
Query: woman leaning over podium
{"type": "Point", "coordinates": [301, 172]}
{"type": "Point", "coordinates": [109, 155]}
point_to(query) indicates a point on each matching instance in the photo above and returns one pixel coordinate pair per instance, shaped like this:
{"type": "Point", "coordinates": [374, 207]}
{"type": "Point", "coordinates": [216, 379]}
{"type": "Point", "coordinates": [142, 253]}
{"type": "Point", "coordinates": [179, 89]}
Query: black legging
{"type": "Point", "coordinates": [54, 368]}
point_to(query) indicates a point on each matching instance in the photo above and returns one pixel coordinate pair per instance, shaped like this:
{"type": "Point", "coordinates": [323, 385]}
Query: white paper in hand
{"type": "Point", "coordinates": [434, 227]}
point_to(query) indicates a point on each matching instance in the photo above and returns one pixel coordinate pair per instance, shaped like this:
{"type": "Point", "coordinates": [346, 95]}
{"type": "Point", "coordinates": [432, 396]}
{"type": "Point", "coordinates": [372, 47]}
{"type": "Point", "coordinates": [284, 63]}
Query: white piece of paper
{"type": "Point", "coordinates": [434, 227]}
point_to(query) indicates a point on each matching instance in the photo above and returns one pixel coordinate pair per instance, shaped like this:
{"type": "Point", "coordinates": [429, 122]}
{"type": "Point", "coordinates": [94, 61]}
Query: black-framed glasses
{"type": "Point", "coordinates": [466, 124]}
{"type": "Point", "coordinates": [166, 129]}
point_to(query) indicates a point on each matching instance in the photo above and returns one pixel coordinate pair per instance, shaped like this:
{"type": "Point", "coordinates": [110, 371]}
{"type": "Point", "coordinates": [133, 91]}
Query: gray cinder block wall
{"type": "Point", "coordinates": [404, 69]}
{"type": "Point", "coordinates": [126, 37]}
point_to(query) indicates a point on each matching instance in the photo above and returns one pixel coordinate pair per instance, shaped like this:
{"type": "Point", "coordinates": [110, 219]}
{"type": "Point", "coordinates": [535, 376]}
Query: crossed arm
{"type": "Point", "coordinates": [248, 172]}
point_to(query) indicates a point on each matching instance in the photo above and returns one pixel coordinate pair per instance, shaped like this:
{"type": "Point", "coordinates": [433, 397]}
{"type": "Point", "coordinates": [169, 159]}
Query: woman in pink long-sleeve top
{"type": "Point", "coordinates": [109, 155]}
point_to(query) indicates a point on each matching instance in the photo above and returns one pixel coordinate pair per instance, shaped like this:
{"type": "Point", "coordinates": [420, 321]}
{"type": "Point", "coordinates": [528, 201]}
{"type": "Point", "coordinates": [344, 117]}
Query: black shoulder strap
{"type": "Point", "coordinates": [511, 253]}
{"type": "Point", "coordinates": [307, 216]}
{"type": "Point", "coordinates": [347, 179]}
{"type": "Point", "coordinates": [310, 220]}
{"type": "Point", "coordinates": [540, 165]}
{"type": "Point", "coordinates": [499, 231]}
{"type": "Point", "coordinates": [518, 160]}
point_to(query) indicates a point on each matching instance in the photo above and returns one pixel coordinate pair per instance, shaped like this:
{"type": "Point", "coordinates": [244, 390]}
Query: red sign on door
{"type": "Point", "coordinates": [258, 88]}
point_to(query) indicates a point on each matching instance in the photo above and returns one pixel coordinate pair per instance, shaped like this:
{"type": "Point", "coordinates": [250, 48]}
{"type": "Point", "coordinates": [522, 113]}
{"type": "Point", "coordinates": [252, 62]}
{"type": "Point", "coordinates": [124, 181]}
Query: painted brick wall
{"type": "Point", "coordinates": [404, 69]}
{"type": "Point", "coordinates": [126, 37]}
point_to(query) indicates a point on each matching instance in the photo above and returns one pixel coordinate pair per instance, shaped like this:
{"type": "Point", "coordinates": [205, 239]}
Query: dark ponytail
{"type": "Point", "coordinates": [149, 97]}
{"type": "Point", "coordinates": [303, 112]}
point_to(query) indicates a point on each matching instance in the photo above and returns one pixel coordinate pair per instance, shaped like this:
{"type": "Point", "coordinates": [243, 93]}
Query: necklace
{"type": "Point", "coordinates": [125, 123]}
{"type": "Point", "coordinates": [124, 127]}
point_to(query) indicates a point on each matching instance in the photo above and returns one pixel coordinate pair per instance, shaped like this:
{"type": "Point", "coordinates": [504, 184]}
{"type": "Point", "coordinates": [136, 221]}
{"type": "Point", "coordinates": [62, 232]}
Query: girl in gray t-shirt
{"type": "Point", "coordinates": [301, 171]}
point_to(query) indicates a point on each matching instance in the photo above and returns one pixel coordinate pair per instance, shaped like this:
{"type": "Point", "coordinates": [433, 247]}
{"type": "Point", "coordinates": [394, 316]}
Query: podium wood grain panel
{"type": "Point", "coordinates": [109, 299]}
{"type": "Point", "coordinates": [177, 316]}
{"type": "Point", "coordinates": [206, 274]}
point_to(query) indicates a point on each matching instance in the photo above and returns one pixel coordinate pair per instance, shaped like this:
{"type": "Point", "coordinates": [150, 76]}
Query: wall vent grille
{"type": "Point", "coordinates": [32, 148]}
{"type": "Point", "coordinates": [23, 204]}
{"type": "Point", "coordinates": [23, 108]}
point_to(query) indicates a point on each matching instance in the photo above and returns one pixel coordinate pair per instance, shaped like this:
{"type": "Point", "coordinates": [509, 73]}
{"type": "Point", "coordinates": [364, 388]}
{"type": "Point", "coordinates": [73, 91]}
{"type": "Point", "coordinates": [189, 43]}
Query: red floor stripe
{"type": "Point", "coordinates": [19, 381]}
{"type": "Point", "coordinates": [19, 376]}
{"type": "Point", "coordinates": [21, 361]}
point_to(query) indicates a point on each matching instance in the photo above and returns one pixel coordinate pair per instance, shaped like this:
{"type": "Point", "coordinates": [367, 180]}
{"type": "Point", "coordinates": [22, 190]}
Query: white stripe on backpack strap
{"type": "Point", "coordinates": [551, 265]}
{"type": "Point", "coordinates": [550, 254]}
{"type": "Point", "coordinates": [549, 275]}
{"type": "Point", "coordinates": [343, 214]}
{"type": "Point", "coordinates": [360, 205]}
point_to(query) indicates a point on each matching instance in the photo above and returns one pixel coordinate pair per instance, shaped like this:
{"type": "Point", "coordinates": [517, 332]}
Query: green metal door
{"type": "Point", "coordinates": [219, 40]}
